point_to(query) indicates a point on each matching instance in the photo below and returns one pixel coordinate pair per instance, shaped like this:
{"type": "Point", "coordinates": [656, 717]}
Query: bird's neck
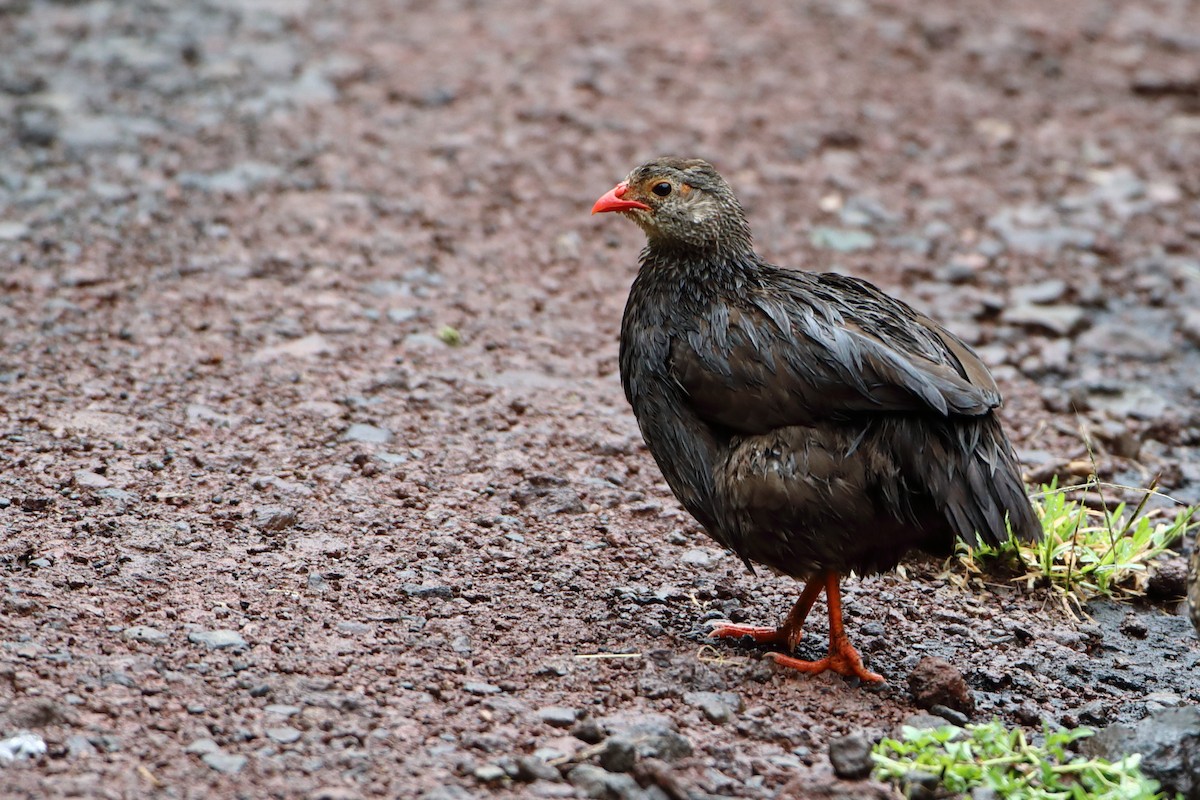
{"type": "Point", "coordinates": [694, 268]}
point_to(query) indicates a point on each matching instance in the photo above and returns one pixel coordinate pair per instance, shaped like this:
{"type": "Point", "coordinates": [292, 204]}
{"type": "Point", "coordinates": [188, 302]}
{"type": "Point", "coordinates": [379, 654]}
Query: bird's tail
{"type": "Point", "coordinates": [971, 470]}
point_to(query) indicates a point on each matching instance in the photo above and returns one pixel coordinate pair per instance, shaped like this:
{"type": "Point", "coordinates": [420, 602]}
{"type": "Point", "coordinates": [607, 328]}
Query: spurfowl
{"type": "Point", "coordinates": [810, 422]}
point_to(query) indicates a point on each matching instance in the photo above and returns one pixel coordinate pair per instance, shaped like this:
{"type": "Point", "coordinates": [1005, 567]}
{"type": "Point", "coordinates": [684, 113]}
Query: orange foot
{"type": "Point", "coordinates": [842, 659]}
{"type": "Point", "coordinates": [759, 635]}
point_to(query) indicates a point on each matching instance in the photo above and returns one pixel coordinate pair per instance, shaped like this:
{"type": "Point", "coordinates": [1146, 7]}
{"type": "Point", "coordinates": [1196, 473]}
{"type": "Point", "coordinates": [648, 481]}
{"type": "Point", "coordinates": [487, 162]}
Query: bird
{"type": "Point", "coordinates": [809, 422]}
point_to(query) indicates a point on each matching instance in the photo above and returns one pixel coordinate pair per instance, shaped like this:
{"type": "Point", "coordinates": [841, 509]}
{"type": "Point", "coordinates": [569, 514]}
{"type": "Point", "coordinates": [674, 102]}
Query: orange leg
{"type": "Point", "coordinates": [843, 658]}
{"type": "Point", "coordinates": [786, 635]}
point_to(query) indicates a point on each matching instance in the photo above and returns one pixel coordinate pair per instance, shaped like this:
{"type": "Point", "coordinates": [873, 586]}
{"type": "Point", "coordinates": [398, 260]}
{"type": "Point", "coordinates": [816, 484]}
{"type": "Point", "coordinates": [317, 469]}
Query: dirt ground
{"type": "Point", "coordinates": [317, 479]}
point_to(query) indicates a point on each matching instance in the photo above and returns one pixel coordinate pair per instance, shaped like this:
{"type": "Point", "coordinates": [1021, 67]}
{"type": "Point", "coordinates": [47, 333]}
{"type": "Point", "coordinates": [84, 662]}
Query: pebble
{"type": "Point", "coordinates": [239, 179]}
{"type": "Point", "coordinates": [280, 710]}
{"type": "Point", "coordinates": [369, 434]}
{"type": "Point", "coordinates": [274, 518]}
{"type": "Point", "coordinates": [219, 639]}
{"type": "Point", "coordinates": [225, 763]}
{"type": "Point", "coordinates": [480, 688]}
{"type": "Point", "coordinates": [12, 231]}
{"type": "Point", "coordinates": [1058, 320]}
{"type": "Point", "coordinates": [489, 773]}
{"type": "Point", "coordinates": [202, 747]}
{"type": "Point", "coordinates": [531, 768]}
{"type": "Point", "coordinates": [935, 681]}
{"type": "Point", "coordinates": [598, 783]}
{"type": "Point", "coordinates": [851, 756]}
{"type": "Point", "coordinates": [717, 707]}
{"type": "Point", "coordinates": [284, 735]}
{"type": "Point", "coordinates": [700, 557]}
{"type": "Point", "coordinates": [619, 754]}
{"type": "Point", "coordinates": [144, 633]}
{"type": "Point", "coordinates": [842, 240]}
{"type": "Point", "coordinates": [80, 746]}
{"type": "Point", "coordinates": [557, 716]}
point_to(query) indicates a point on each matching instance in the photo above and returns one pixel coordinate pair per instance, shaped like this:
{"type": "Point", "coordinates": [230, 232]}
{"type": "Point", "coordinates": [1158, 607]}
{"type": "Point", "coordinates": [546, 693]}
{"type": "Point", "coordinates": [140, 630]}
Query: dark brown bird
{"type": "Point", "coordinates": [809, 421]}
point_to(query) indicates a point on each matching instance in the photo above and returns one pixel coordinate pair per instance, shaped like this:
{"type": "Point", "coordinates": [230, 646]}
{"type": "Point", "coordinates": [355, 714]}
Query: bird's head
{"type": "Point", "coordinates": [680, 203]}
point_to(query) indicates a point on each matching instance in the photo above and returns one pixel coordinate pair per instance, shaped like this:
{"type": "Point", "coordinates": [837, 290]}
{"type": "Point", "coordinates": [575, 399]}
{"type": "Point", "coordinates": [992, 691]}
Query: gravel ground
{"type": "Point", "coordinates": [317, 476]}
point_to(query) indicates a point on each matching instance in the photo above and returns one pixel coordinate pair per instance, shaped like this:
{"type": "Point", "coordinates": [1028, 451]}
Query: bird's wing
{"type": "Point", "coordinates": [804, 348]}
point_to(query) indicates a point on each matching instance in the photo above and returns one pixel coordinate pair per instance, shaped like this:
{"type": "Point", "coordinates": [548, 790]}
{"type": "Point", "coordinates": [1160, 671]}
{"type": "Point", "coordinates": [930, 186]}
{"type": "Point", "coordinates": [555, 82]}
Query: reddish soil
{"type": "Point", "coordinates": [233, 238]}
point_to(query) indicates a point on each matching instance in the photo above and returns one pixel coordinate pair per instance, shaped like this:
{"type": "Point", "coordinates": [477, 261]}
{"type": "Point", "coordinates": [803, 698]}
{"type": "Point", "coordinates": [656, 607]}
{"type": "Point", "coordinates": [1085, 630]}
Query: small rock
{"type": "Point", "coordinates": [334, 793]}
{"type": "Point", "coordinates": [489, 773]}
{"type": "Point", "coordinates": [440, 592]}
{"type": "Point", "coordinates": [80, 746]}
{"type": "Point", "coordinates": [219, 639]}
{"type": "Point", "coordinates": [557, 716]}
{"type": "Point", "coordinates": [243, 177]}
{"type": "Point", "coordinates": [284, 735]}
{"type": "Point", "coordinates": [843, 240]}
{"type": "Point", "coordinates": [85, 479]}
{"type": "Point", "coordinates": [1059, 320]}
{"type": "Point", "coordinates": [589, 731]}
{"type": "Point", "coordinates": [274, 518]}
{"type": "Point", "coordinates": [950, 715]}
{"type": "Point", "coordinates": [280, 710]}
{"type": "Point", "coordinates": [480, 688]}
{"type": "Point", "coordinates": [700, 557]}
{"type": "Point", "coordinates": [13, 231]}
{"type": "Point", "coordinates": [369, 434]}
{"type": "Point", "coordinates": [1169, 742]}
{"type": "Point", "coordinates": [717, 707]}
{"type": "Point", "coordinates": [20, 747]}
{"type": "Point", "coordinates": [531, 768]}
{"type": "Point", "coordinates": [597, 783]}
{"type": "Point", "coordinates": [935, 681]}
{"type": "Point", "coordinates": [225, 763]}
{"type": "Point", "coordinates": [619, 754]}
{"type": "Point", "coordinates": [1169, 579]}
{"type": "Point", "coordinates": [851, 756]}
{"type": "Point", "coordinates": [202, 746]}
{"type": "Point", "coordinates": [923, 721]}
{"type": "Point", "coordinates": [144, 633]}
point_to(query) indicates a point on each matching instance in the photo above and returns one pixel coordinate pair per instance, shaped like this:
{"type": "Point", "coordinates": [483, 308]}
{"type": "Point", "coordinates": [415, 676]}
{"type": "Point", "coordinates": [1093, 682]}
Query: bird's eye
{"type": "Point", "coordinates": [661, 189]}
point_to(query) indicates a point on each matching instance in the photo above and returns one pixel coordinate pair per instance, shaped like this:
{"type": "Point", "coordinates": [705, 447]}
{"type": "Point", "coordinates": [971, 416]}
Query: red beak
{"type": "Point", "coordinates": [612, 201]}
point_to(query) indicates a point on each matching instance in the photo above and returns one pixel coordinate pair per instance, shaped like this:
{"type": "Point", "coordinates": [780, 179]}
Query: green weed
{"type": "Point", "coordinates": [1086, 552]}
{"type": "Point", "coordinates": [959, 760]}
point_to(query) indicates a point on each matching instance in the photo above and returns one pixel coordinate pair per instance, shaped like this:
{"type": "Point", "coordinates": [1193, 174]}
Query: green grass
{"type": "Point", "coordinates": [1086, 552]}
{"type": "Point", "coordinates": [958, 760]}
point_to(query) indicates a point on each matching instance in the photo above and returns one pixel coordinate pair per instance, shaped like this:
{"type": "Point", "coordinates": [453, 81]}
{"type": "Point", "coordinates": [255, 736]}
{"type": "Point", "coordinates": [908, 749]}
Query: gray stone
{"type": "Point", "coordinates": [219, 639]}
{"type": "Point", "coordinates": [597, 783]}
{"type": "Point", "coordinates": [843, 240]}
{"type": "Point", "coordinates": [79, 746]}
{"type": "Point", "coordinates": [274, 518]}
{"type": "Point", "coordinates": [1059, 320]}
{"type": "Point", "coordinates": [13, 231]}
{"type": "Point", "coordinates": [370, 434]}
{"type": "Point", "coordinates": [489, 773]}
{"type": "Point", "coordinates": [851, 756]}
{"type": "Point", "coordinates": [202, 746]}
{"type": "Point", "coordinates": [284, 734]}
{"type": "Point", "coordinates": [480, 688]}
{"type": "Point", "coordinates": [225, 763]}
{"type": "Point", "coordinates": [717, 707]}
{"type": "Point", "coordinates": [280, 710]}
{"type": "Point", "coordinates": [416, 590]}
{"type": "Point", "coordinates": [619, 754]}
{"type": "Point", "coordinates": [240, 179]}
{"type": "Point", "coordinates": [1169, 743]}
{"type": "Point", "coordinates": [557, 716]}
{"type": "Point", "coordinates": [531, 768]}
{"type": "Point", "coordinates": [144, 633]}
{"type": "Point", "coordinates": [1041, 293]}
